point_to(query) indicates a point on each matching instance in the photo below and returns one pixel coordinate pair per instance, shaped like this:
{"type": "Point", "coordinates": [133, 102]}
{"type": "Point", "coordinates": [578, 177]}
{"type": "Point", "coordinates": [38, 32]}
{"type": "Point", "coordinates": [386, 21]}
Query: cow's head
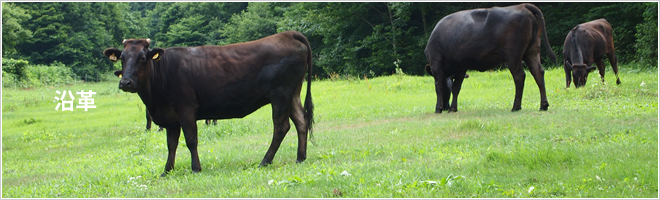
{"type": "Point", "coordinates": [580, 73]}
{"type": "Point", "coordinates": [136, 62]}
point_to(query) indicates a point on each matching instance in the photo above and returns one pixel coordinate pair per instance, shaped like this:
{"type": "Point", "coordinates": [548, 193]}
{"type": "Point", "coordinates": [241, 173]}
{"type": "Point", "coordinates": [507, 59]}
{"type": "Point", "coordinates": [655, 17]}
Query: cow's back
{"type": "Point", "coordinates": [478, 34]}
{"type": "Point", "coordinates": [601, 32]}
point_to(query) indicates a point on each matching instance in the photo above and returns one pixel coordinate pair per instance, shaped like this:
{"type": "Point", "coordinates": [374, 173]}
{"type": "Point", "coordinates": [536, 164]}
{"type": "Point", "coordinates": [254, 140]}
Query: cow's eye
{"type": "Point", "coordinates": [142, 58]}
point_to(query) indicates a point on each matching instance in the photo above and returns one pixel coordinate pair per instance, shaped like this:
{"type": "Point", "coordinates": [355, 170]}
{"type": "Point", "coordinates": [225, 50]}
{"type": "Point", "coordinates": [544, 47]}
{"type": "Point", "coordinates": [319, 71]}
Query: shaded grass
{"type": "Point", "coordinates": [596, 141]}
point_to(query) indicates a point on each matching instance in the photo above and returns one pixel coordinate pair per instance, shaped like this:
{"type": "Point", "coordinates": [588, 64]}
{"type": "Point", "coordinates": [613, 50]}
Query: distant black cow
{"type": "Point", "coordinates": [208, 122]}
{"type": "Point", "coordinates": [482, 39]}
{"type": "Point", "coordinates": [180, 85]}
{"type": "Point", "coordinates": [585, 45]}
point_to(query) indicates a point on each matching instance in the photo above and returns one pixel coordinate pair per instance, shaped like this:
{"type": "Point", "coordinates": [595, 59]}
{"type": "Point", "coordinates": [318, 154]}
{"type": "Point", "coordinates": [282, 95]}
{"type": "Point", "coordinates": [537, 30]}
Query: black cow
{"type": "Point", "coordinates": [180, 85]}
{"type": "Point", "coordinates": [482, 39]}
{"type": "Point", "coordinates": [585, 45]}
{"type": "Point", "coordinates": [208, 122]}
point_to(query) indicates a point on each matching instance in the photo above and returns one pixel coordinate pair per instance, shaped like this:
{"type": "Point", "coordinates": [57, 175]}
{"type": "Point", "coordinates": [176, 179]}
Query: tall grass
{"type": "Point", "coordinates": [376, 137]}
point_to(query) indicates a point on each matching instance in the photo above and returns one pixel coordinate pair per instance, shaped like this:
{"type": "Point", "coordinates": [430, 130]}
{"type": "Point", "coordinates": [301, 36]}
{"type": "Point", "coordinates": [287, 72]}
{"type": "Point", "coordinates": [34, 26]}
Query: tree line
{"type": "Point", "coordinates": [352, 38]}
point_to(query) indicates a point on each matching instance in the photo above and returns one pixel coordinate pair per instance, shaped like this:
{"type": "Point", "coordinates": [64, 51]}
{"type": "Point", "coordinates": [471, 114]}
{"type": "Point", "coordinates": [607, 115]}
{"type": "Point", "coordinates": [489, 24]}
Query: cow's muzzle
{"type": "Point", "coordinates": [128, 85]}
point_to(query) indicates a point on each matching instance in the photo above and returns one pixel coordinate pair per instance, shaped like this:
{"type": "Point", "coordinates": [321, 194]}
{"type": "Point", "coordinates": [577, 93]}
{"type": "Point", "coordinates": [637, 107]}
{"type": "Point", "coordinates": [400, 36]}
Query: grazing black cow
{"type": "Point", "coordinates": [585, 45]}
{"type": "Point", "coordinates": [180, 85]}
{"type": "Point", "coordinates": [482, 39]}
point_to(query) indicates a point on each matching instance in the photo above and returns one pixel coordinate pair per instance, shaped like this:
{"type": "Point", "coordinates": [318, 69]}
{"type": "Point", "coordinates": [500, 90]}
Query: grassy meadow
{"type": "Point", "coordinates": [376, 138]}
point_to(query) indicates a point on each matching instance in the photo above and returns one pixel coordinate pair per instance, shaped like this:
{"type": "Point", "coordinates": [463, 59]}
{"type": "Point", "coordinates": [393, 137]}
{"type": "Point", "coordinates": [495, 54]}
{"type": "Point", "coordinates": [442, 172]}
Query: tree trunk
{"type": "Point", "coordinates": [389, 11]}
{"type": "Point", "coordinates": [424, 20]}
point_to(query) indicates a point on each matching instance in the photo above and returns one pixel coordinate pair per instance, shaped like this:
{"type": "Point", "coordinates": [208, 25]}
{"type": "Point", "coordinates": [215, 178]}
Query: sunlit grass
{"type": "Point", "coordinates": [596, 141]}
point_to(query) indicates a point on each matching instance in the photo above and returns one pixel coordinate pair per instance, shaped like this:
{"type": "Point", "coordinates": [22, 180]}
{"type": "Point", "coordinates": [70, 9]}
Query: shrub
{"type": "Point", "coordinates": [20, 74]}
{"type": "Point", "coordinates": [15, 67]}
{"type": "Point", "coordinates": [647, 36]}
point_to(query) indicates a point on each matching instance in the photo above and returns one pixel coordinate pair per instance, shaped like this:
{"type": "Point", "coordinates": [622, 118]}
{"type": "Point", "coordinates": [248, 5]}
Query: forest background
{"type": "Point", "coordinates": [48, 42]}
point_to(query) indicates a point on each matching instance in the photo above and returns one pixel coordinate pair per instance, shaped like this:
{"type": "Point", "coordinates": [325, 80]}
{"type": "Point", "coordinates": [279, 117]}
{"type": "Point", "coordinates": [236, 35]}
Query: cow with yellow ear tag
{"type": "Point", "coordinates": [181, 85]}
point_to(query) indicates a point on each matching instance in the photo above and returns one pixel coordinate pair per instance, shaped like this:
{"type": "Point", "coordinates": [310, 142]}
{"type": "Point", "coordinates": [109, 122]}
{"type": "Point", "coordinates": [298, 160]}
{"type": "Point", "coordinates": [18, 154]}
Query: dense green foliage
{"type": "Point", "coordinates": [347, 38]}
{"type": "Point", "coordinates": [599, 141]}
{"type": "Point", "coordinates": [20, 74]}
{"type": "Point", "coordinates": [647, 36]}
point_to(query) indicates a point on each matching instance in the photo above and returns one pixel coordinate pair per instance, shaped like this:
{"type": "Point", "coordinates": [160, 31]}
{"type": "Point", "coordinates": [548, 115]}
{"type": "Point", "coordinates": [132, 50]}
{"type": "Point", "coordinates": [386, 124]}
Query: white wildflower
{"type": "Point", "coordinates": [345, 173]}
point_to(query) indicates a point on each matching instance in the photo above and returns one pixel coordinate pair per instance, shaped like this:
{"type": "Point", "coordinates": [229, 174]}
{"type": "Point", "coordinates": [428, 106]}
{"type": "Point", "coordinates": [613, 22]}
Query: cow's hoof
{"type": "Point", "coordinates": [453, 110]}
{"type": "Point", "coordinates": [515, 108]}
{"type": "Point", "coordinates": [544, 106]}
{"type": "Point", "coordinates": [618, 82]}
{"type": "Point", "coordinates": [264, 164]}
{"type": "Point", "coordinates": [163, 174]}
{"type": "Point", "coordinates": [438, 111]}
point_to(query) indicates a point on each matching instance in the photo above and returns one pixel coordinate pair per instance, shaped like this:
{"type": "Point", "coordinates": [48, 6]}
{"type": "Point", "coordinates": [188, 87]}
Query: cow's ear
{"type": "Point", "coordinates": [590, 69]}
{"type": "Point", "coordinates": [568, 65]}
{"type": "Point", "coordinates": [118, 73]}
{"type": "Point", "coordinates": [428, 69]}
{"type": "Point", "coordinates": [156, 54]}
{"type": "Point", "coordinates": [112, 53]}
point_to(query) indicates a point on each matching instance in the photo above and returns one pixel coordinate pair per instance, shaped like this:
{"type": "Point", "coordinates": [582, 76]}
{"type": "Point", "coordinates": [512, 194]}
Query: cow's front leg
{"type": "Point", "coordinates": [189, 126]}
{"type": "Point", "coordinates": [173, 134]}
{"type": "Point", "coordinates": [568, 71]}
{"type": "Point", "coordinates": [446, 92]}
{"type": "Point", "coordinates": [148, 120]}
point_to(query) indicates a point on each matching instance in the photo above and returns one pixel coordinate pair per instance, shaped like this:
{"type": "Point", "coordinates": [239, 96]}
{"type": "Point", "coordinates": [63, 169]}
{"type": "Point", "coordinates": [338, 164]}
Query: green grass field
{"type": "Point", "coordinates": [375, 138]}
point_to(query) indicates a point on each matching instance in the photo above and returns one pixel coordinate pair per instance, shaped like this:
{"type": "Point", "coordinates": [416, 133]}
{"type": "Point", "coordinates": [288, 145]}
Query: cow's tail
{"type": "Point", "coordinates": [539, 17]}
{"type": "Point", "coordinates": [309, 106]}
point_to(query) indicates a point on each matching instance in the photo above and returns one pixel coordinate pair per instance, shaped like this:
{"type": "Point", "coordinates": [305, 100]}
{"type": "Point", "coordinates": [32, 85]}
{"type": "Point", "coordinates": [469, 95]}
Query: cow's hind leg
{"type": "Point", "coordinates": [173, 134]}
{"type": "Point", "coordinates": [615, 69]}
{"type": "Point", "coordinates": [297, 115]}
{"type": "Point", "coordinates": [281, 125]}
{"type": "Point", "coordinates": [534, 63]}
{"type": "Point", "coordinates": [611, 56]}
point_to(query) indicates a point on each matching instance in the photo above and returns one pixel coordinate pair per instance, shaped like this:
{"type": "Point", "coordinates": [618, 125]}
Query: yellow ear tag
{"type": "Point", "coordinates": [119, 75]}
{"type": "Point", "coordinates": [155, 57]}
{"type": "Point", "coordinates": [113, 58]}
